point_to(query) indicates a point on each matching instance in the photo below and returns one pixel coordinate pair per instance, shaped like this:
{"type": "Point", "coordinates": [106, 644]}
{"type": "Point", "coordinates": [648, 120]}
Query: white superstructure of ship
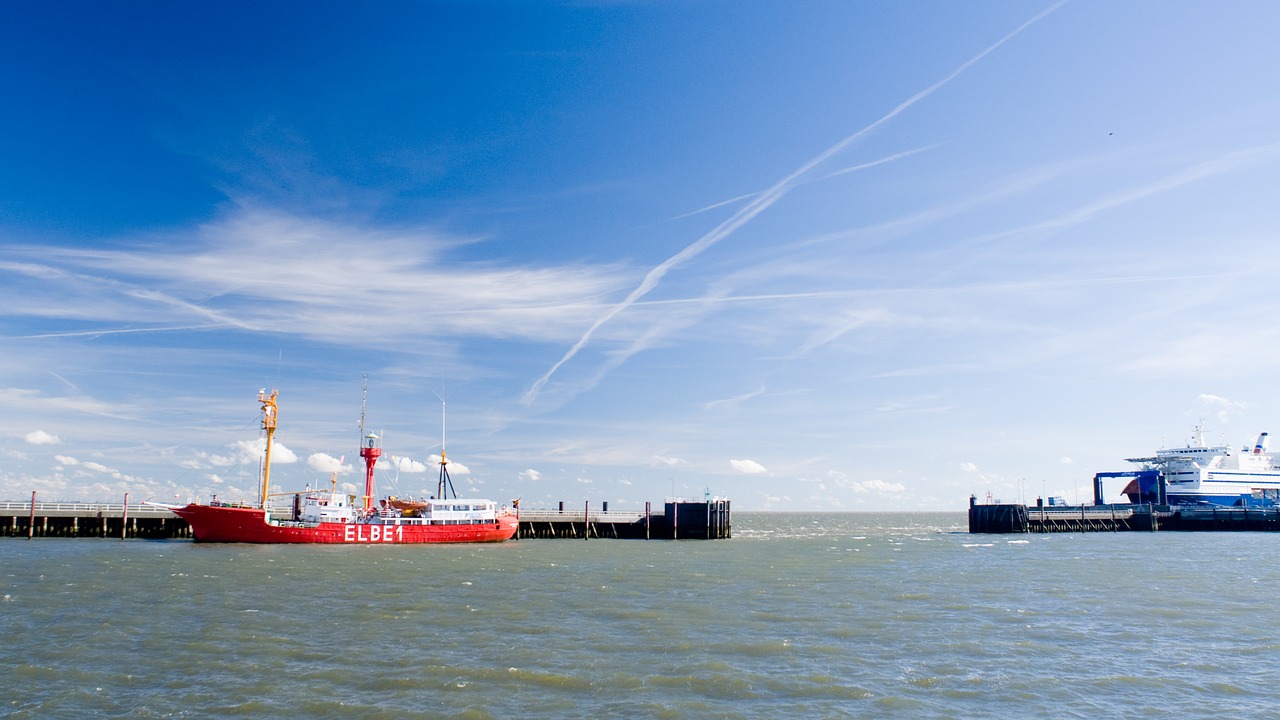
{"type": "Point", "coordinates": [1215, 474]}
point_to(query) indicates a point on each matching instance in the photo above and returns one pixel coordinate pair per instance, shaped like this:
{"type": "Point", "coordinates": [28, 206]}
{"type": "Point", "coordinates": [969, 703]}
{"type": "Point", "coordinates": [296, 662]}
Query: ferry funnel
{"type": "Point", "coordinates": [1261, 447]}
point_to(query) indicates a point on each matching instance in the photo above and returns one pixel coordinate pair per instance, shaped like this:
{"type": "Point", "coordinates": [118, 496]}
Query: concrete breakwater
{"type": "Point", "coordinates": [677, 520]}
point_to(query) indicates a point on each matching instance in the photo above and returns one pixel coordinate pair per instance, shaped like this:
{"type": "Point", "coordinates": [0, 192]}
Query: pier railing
{"type": "Point", "coordinates": [596, 516]}
{"type": "Point", "coordinates": [81, 509]}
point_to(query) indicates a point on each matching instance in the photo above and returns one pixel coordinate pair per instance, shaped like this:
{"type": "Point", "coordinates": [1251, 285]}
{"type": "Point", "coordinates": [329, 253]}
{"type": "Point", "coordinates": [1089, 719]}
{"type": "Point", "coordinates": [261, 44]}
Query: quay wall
{"type": "Point", "coordinates": [1007, 518]}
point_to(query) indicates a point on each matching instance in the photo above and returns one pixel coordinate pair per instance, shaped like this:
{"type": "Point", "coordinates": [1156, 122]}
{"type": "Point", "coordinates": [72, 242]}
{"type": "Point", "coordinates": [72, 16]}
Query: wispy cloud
{"type": "Point", "coordinates": [1193, 173]}
{"type": "Point", "coordinates": [838, 326]}
{"type": "Point", "coordinates": [267, 271]}
{"type": "Point", "coordinates": [1219, 406]}
{"type": "Point", "coordinates": [761, 203]}
{"type": "Point", "coordinates": [1000, 191]}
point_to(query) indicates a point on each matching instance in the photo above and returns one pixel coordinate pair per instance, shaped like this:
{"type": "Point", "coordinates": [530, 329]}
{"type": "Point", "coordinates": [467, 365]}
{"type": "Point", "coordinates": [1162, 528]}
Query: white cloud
{"type": "Point", "coordinates": [529, 474]}
{"type": "Point", "coordinates": [40, 437]}
{"type": "Point", "coordinates": [1220, 405]}
{"type": "Point", "coordinates": [408, 465]}
{"type": "Point", "coordinates": [670, 462]}
{"type": "Point", "coordinates": [879, 486]}
{"type": "Point", "coordinates": [96, 467]}
{"type": "Point", "coordinates": [747, 467]}
{"type": "Point", "coordinates": [1065, 460]}
{"type": "Point", "coordinates": [66, 460]}
{"type": "Point", "coordinates": [455, 467]}
{"type": "Point", "coordinates": [250, 452]}
{"type": "Point", "coordinates": [321, 462]}
{"type": "Point", "coordinates": [968, 467]}
{"type": "Point", "coordinates": [281, 454]}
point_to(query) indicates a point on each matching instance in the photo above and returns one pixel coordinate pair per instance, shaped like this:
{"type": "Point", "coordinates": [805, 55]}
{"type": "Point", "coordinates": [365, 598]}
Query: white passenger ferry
{"type": "Point", "coordinates": [1216, 474]}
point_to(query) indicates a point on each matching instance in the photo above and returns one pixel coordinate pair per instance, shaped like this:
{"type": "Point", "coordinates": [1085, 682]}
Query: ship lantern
{"type": "Point", "coordinates": [371, 441]}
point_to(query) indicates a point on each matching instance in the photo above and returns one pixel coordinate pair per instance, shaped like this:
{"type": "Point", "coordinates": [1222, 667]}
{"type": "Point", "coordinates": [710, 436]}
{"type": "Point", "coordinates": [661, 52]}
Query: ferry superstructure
{"type": "Point", "coordinates": [1215, 474]}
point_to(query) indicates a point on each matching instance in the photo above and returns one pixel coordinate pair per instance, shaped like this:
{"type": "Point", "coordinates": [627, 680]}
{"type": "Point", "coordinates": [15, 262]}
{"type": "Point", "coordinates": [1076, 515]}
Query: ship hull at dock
{"type": "Point", "coordinates": [225, 524]}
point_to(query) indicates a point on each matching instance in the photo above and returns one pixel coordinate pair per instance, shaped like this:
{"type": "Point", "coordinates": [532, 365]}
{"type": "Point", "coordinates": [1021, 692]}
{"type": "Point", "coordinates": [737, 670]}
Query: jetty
{"type": "Point", "coordinates": [678, 519]}
{"type": "Point", "coordinates": [707, 519]}
{"type": "Point", "coordinates": [1004, 518]}
{"type": "Point", "coordinates": [90, 520]}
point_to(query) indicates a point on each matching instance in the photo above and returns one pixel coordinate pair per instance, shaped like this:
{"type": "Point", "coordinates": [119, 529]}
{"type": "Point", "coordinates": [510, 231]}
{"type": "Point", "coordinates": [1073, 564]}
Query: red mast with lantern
{"type": "Point", "coordinates": [370, 450]}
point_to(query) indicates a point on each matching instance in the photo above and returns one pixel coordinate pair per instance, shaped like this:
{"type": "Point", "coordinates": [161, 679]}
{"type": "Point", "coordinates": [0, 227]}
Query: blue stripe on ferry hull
{"type": "Point", "coordinates": [1226, 500]}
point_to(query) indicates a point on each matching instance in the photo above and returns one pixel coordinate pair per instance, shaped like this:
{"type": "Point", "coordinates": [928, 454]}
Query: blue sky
{"type": "Point", "coordinates": [818, 255]}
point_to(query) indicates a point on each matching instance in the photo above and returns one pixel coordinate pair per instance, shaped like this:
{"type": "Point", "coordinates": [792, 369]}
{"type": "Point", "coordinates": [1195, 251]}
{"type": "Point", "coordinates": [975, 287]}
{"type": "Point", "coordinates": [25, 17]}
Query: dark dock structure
{"type": "Point", "coordinates": [1039, 518]}
{"type": "Point", "coordinates": [680, 520]}
{"type": "Point", "coordinates": [707, 519]}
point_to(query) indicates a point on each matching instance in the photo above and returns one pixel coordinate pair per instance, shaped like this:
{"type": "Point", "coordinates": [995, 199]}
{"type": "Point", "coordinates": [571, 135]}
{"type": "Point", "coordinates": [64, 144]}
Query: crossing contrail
{"type": "Point", "coordinates": [761, 203]}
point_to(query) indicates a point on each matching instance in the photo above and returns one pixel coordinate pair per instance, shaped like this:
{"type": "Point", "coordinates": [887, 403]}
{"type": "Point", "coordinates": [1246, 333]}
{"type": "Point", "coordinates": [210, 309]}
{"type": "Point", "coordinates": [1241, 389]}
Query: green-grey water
{"type": "Point", "coordinates": [799, 615]}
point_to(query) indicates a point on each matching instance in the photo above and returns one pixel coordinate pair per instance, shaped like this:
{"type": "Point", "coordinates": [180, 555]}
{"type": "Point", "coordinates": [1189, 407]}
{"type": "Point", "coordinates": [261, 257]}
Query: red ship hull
{"type": "Point", "coordinates": [212, 523]}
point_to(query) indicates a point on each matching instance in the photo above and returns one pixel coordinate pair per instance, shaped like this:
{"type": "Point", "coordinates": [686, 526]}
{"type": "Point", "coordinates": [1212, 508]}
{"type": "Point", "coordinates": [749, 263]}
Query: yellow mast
{"type": "Point", "coordinates": [268, 424]}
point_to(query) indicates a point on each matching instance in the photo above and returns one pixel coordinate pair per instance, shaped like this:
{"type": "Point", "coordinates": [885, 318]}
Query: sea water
{"type": "Point", "coordinates": [797, 616]}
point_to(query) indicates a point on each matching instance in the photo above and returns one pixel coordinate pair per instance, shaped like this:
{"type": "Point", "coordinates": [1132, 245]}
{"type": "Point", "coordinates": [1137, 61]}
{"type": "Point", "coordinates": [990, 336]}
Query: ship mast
{"type": "Point", "coordinates": [445, 482]}
{"type": "Point", "coordinates": [370, 449]}
{"type": "Point", "coordinates": [268, 424]}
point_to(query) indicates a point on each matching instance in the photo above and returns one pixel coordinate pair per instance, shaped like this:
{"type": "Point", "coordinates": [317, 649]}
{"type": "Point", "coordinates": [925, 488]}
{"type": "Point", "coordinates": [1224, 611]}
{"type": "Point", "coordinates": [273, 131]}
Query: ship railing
{"type": "Point", "coordinates": [537, 515]}
{"type": "Point", "coordinates": [1089, 511]}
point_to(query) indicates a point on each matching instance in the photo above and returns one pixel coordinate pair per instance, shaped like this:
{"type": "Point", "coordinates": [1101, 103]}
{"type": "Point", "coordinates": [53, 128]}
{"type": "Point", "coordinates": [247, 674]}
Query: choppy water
{"type": "Point", "coordinates": [799, 615]}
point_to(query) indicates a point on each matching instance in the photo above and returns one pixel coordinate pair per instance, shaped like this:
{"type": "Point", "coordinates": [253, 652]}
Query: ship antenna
{"type": "Point", "coordinates": [269, 424]}
{"type": "Point", "coordinates": [445, 481]}
{"type": "Point", "coordinates": [370, 449]}
{"type": "Point", "coordinates": [364, 396]}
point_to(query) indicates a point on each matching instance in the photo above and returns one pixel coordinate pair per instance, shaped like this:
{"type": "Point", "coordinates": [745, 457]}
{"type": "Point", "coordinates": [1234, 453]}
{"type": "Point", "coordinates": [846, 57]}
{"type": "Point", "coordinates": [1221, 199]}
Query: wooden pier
{"type": "Point", "coordinates": [1006, 518]}
{"type": "Point", "coordinates": [678, 520]}
{"type": "Point", "coordinates": [82, 520]}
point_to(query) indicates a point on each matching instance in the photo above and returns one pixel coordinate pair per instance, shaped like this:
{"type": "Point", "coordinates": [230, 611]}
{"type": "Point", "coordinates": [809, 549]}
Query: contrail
{"type": "Point", "coordinates": [713, 206]}
{"type": "Point", "coordinates": [762, 203]}
{"type": "Point", "coordinates": [118, 331]}
{"type": "Point", "coordinates": [844, 171]}
{"type": "Point", "coordinates": [881, 161]}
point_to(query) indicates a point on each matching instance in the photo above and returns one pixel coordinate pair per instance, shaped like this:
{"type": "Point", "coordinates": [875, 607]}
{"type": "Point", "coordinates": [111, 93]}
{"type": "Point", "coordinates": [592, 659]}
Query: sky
{"type": "Point", "coordinates": [812, 256]}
